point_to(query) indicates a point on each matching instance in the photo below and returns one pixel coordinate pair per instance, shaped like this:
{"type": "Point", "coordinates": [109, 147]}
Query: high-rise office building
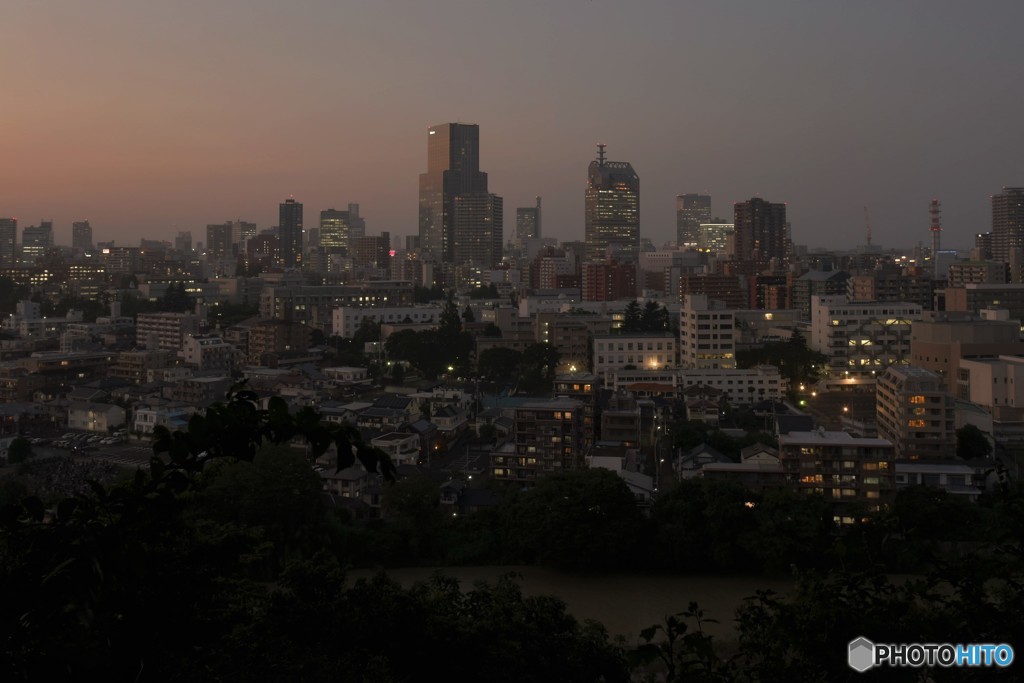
{"type": "Point", "coordinates": [527, 223]}
{"type": "Point", "coordinates": [8, 242]}
{"type": "Point", "coordinates": [183, 242]}
{"type": "Point", "coordinates": [36, 239]}
{"type": "Point", "coordinates": [218, 240]}
{"type": "Point", "coordinates": [290, 233]}
{"type": "Point", "coordinates": [81, 236]}
{"type": "Point", "coordinates": [453, 169]}
{"type": "Point", "coordinates": [1007, 222]}
{"type": "Point", "coordinates": [339, 228]}
{"type": "Point", "coordinates": [692, 210]}
{"type": "Point", "coordinates": [760, 231]}
{"type": "Point", "coordinates": [241, 232]}
{"type": "Point", "coordinates": [612, 210]}
{"type": "Point", "coordinates": [478, 229]}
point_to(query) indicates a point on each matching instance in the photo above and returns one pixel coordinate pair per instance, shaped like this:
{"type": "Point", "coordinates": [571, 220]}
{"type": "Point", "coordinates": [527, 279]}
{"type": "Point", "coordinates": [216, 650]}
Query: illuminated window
{"type": "Point", "coordinates": [917, 399]}
{"type": "Point", "coordinates": [915, 423]}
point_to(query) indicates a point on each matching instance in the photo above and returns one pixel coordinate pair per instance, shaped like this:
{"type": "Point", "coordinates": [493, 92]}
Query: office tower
{"type": "Point", "coordinates": [453, 169]}
{"type": "Point", "coordinates": [241, 232]}
{"type": "Point", "coordinates": [36, 239]}
{"type": "Point", "coordinates": [218, 241]}
{"type": "Point", "coordinates": [290, 233]}
{"type": "Point", "coordinates": [760, 232]}
{"type": "Point", "coordinates": [183, 242]}
{"type": "Point", "coordinates": [339, 228]}
{"type": "Point", "coordinates": [479, 229]}
{"type": "Point", "coordinates": [372, 251]}
{"type": "Point", "coordinates": [692, 210]}
{"type": "Point", "coordinates": [1007, 222]}
{"type": "Point", "coordinates": [356, 223]}
{"type": "Point", "coordinates": [527, 223]}
{"type": "Point", "coordinates": [612, 217]}
{"type": "Point", "coordinates": [715, 236]}
{"type": "Point", "coordinates": [8, 242]}
{"type": "Point", "coordinates": [81, 236]}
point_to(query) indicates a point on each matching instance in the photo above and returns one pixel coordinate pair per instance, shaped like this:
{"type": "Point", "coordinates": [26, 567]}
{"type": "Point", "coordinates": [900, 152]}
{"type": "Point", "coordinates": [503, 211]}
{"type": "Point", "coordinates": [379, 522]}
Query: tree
{"type": "Point", "coordinates": [654, 318]}
{"type": "Point", "coordinates": [499, 362]}
{"type": "Point", "coordinates": [467, 314]}
{"type": "Point", "coordinates": [631, 320]}
{"type": "Point", "coordinates": [19, 451]}
{"type": "Point", "coordinates": [971, 443]}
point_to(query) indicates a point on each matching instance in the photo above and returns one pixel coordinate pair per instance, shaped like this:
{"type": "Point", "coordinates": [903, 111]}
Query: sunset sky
{"type": "Point", "coordinates": [151, 117]}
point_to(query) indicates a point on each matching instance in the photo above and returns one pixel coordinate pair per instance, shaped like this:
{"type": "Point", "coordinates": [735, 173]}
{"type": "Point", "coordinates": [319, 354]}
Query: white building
{"type": "Point", "coordinates": [95, 417]}
{"type": "Point", "coordinates": [707, 333]}
{"type": "Point", "coordinates": [208, 353]}
{"type": "Point", "coordinates": [164, 330]}
{"type": "Point", "coordinates": [741, 385]}
{"type": "Point", "coordinates": [861, 340]}
{"type": "Point", "coordinates": [347, 319]}
{"type": "Point", "coordinates": [648, 350]}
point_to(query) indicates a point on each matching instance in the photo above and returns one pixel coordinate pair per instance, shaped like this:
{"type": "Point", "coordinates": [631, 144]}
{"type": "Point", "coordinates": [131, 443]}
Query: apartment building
{"type": "Point", "coordinates": [636, 350]}
{"type": "Point", "coordinates": [548, 438]}
{"type": "Point", "coordinates": [164, 330]}
{"type": "Point", "coordinates": [707, 333]}
{"type": "Point", "coordinates": [861, 340]}
{"type": "Point", "coordinates": [915, 411]}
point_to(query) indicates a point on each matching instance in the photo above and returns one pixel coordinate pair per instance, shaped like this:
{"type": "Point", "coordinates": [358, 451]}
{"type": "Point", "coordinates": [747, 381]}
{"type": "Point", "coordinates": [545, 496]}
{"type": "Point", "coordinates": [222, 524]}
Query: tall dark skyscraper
{"type": "Point", "coordinates": [218, 240]}
{"type": "Point", "coordinates": [81, 236]}
{"type": "Point", "coordinates": [527, 222]}
{"type": "Point", "coordinates": [290, 233]}
{"type": "Point", "coordinates": [478, 229]}
{"type": "Point", "coordinates": [1007, 222]}
{"type": "Point", "coordinates": [453, 169]}
{"type": "Point", "coordinates": [691, 211]}
{"type": "Point", "coordinates": [760, 231]}
{"type": "Point", "coordinates": [8, 242]}
{"type": "Point", "coordinates": [612, 219]}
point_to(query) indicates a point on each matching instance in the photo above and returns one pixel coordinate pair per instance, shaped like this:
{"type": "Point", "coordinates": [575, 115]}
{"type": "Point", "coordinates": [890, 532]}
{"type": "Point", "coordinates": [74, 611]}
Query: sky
{"type": "Point", "coordinates": [149, 117]}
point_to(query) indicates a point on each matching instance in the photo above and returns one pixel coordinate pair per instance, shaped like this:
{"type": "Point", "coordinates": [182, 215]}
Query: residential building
{"type": "Point", "coordinates": [608, 281]}
{"type": "Point", "coordinates": [760, 231]}
{"type": "Point", "coordinates": [716, 237]}
{"type": "Point", "coordinates": [620, 421]}
{"type": "Point", "coordinates": [707, 333]}
{"type": "Point", "coordinates": [135, 365]}
{"type": "Point", "coordinates": [290, 233]}
{"type": "Point", "coordinates": [547, 438]}
{"type": "Point", "coordinates": [218, 241]}
{"type": "Point", "coordinates": [478, 223]}
{"type": "Point", "coordinates": [817, 283]}
{"type": "Point", "coordinates": [1007, 222]}
{"type": "Point", "coordinates": [101, 418]}
{"type": "Point", "coordinates": [274, 336]}
{"type": "Point", "coordinates": [861, 340]}
{"type": "Point", "coordinates": [582, 387]}
{"type": "Point", "coordinates": [915, 411]}
{"type": "Point", "coordinates": [973, 298]}
{"type": "Point", "coordinates": [348, 319]}
{"type": "Point", "coordinates": [164, 330]}
{"type": "Point", "coordinates": [940, 345]}
{"type": "Point", "coordinates": [402, 447]}
{"type": "Point", "coordinates": [208, 353]}
{"type": "Point", "coordinates": [854, 474]}
{"type": "Point", "coordinates": [612, 210]}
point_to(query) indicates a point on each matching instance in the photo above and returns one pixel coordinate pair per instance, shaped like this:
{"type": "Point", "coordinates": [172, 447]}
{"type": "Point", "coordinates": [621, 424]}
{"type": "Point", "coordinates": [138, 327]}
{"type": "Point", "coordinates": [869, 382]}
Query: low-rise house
{"type": "Point", "coordinates": [450, 420]}
{"type": "Point", "coordinates": [402, 447]}
{"type": "Point", "coordinates": [690, 463]}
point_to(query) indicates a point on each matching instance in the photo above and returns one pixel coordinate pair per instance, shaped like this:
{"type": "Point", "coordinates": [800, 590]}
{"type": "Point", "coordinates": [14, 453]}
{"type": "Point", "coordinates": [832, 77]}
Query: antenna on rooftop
{"type": "Point", "coordinates": [600, 154]}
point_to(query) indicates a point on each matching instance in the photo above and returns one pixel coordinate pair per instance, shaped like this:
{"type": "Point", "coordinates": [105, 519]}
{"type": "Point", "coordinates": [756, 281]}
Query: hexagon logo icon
{"type": "Point", "coordinates": [861, 655]}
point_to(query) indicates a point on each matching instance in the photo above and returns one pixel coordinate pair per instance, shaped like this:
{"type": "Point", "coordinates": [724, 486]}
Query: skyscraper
{"type": "Point", "coordinates": [8, 242]}
{"type": "Point", "coordinates": [527, 223]}
{"type": "Point", "coordinates": [479, 227]}
{"type": "Point", "coordinates": [339, 228]}
{"type": "Point", "coordinates": [453, 169]}
{"type": "Point", "coordinates": [612, 219]}
{"type": "Point", "coordinates": [1007, 222]}
{"type": "Point", "coordinates": [218, 240]}
{"type": "Point", "coordinates": [290, 233]}
{"type": "Point", "coordinates": [36, 239]}
{"type": "Point", "coordinates": [691, 211]}
{"type": "Point", "coordinates": [81, 236]}
{"type": "Point", "coordinates": [183, 242]}
{"type": "Point", "coordinates": [760, 232]}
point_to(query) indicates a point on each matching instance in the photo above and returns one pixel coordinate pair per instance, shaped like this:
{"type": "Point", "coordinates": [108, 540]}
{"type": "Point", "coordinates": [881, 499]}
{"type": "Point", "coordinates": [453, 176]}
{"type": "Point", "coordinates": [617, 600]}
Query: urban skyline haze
{"type": "Point", "coordinates": [151, 118]}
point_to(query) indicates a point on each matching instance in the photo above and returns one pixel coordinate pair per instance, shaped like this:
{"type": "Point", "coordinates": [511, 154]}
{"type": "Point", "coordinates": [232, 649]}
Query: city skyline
{"type": "Point", "coordinates": [877, 106]}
